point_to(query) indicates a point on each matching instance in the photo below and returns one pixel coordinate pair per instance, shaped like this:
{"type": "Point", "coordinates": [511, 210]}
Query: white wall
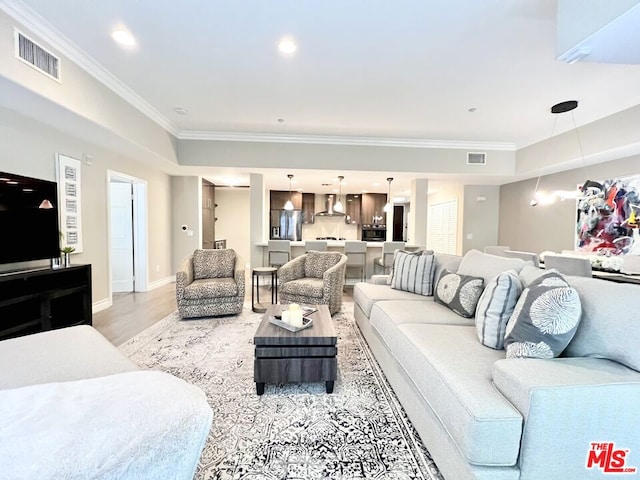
{"type": "Point", "coordinates": [233, 223]}
{"type": "Point", "coordinates": [30, 148]}
{"type": "Point", "coordinates": [481, 216]}
{"type": "Point", "coordinates": [552, 227]}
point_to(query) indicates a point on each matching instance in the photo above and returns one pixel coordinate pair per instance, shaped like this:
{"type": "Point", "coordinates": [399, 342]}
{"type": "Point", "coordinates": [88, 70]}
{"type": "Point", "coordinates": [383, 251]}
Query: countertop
{"type": "Point", "coordinates": [335, 243]}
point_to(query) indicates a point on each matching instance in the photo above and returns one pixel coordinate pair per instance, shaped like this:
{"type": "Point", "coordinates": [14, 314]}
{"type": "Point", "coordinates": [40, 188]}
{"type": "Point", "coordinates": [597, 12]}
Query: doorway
{"type": "Point", "coordinates": [398, 223]}
{"type": "Point", "coordinates": [127, 220]}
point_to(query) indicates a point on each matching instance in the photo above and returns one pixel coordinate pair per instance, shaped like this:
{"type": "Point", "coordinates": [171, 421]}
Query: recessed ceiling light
{"type": "Point", "coordinates": [123, 37]}
{"type": "Point", "coordinates": [180, 110]}
{"type": "Point", "coordinates": [287, 46]}
{"type": "Point", "coordinates": [376, 184]}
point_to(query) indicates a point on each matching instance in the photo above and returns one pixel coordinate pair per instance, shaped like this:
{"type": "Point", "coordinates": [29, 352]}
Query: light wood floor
{"type": "Point", "coordinates": [131, 313]}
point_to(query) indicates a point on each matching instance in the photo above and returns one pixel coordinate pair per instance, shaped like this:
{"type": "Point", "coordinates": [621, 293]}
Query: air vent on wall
{"type": "Point", "coordinates": [34, 55]}
{"type": "Point", "coordinates": [474, 158]}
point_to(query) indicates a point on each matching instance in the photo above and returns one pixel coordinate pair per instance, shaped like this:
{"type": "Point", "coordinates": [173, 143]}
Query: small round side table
{"type": "Point", "coordinates": [258, 272]}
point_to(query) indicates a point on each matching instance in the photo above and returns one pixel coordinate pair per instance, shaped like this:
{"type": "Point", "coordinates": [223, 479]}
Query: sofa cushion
{"type": "Point", "coordinates": [210, 263]}
{"type": "Point", "coordinates": [529, 274]}
{"type": "Point", "coordinates": [452, 372]}
{"type": "Point", "coordinates": [413, 273]}
{"type": "Point", "coordinates": [495, 307]}
{"type": "Point", "coordinates": [544, 320]}
{"type": "Point", "coordinates": [367, 294]}
{"type": "Point", "coordinates": [387, 314]}
{"type": "Point", "coordinates": [459, 292]}
{"type": "Point", "coordinates": [316, 263]}
{"type": "Point", "coordinates": [479, 264]}
{"type": "Point", "coordinates": [211, 287]}
{"type": "Point", "coordinates": [446, 261]}
{"type": "Point", "coordinates": [306, 287]}
{"type": "Point", "coordinates": [610, 324]}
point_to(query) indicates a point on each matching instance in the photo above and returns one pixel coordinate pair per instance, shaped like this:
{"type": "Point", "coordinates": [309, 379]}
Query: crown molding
{"type": "Point", "coordinates": [56, 40]}
{"type": "Point", "coordinates": [344, 140]}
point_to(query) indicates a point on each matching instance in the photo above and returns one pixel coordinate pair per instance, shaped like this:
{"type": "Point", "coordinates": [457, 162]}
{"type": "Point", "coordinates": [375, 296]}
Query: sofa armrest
{"type": "Point", "coordinates": [567, 404]}
{"type": "Point", "coordinates": [184, 276]}
{"type": "Point", "coordinates": [292, 270]}
{"type": "Point", "coordinates": [380, 279]}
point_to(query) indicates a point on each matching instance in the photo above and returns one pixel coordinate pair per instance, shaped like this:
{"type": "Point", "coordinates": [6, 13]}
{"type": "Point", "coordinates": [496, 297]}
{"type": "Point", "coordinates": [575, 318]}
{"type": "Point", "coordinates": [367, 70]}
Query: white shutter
{"type": "Point", "coordinates": [443, 227]}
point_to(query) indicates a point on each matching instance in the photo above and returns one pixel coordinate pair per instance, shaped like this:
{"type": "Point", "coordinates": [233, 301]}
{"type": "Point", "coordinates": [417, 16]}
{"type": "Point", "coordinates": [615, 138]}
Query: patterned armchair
{"type": "Point", "coordinates": [210, 283]}
{"type": "Point", "coordinates": [314, 278]}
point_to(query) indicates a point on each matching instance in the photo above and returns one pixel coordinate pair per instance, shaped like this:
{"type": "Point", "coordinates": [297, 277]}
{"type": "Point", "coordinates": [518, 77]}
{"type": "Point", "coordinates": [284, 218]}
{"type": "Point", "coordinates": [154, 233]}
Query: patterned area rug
{"type": "Point", "coordinates": [293, 431]}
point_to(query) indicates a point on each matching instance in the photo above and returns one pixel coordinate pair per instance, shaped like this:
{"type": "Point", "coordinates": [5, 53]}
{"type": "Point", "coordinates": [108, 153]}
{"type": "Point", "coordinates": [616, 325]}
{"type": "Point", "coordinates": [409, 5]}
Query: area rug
{"type": "Point", "coordinates": [293, 431]}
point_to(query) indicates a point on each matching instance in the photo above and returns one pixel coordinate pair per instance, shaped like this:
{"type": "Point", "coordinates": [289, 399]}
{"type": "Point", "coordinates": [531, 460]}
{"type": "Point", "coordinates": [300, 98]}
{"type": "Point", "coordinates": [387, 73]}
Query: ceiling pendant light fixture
{"type": "Point", "coordinates": [289, 204]}
{"type": "Point", "coordinates": [541, 197]}
{"type": "Point", "coordinates": [389, 206]}
{"type": "Point", "coordinates": [338, 207]}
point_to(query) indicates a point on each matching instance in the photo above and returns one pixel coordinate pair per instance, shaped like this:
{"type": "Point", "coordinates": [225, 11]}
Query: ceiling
{"type": "Point", "coordinates": [449, 70]}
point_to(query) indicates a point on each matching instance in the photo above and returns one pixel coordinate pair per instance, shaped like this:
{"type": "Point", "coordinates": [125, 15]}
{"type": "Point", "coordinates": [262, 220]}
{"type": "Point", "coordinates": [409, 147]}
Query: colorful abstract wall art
{"type": "Point", "coordinates": [608, 216]}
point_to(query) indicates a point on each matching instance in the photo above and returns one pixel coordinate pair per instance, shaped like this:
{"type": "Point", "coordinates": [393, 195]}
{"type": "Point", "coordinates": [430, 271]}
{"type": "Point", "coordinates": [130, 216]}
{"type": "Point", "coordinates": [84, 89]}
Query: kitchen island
{"type": "Point", "coordinates": [374, 250]}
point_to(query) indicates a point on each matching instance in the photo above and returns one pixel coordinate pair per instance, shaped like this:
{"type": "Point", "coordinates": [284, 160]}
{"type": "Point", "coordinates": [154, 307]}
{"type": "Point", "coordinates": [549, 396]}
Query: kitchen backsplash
{"type": "Point", "coordinates": [330, 227]}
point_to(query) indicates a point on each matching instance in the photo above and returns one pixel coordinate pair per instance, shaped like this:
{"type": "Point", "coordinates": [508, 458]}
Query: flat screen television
{"type": "Point", "coordinates": [29, 228]}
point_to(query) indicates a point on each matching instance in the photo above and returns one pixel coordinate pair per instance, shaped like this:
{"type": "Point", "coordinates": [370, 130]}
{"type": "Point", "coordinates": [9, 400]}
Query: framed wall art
{"type": "Point", "coordinates": [608, 213]}
{"type": "Point", "coordinates": [69, 202]}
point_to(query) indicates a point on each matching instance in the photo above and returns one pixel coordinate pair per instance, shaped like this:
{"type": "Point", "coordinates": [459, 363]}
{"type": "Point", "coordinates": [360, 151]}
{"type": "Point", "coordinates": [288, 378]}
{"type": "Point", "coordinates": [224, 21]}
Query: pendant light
{"type": "Point", "coordinates": [289, 204]}
{"type": "Point", "coordinates": [389, 206]}
{"type": "Point", "coordinates": [338, 207]}
{"type": "Point", "coordinates": [540, 197]}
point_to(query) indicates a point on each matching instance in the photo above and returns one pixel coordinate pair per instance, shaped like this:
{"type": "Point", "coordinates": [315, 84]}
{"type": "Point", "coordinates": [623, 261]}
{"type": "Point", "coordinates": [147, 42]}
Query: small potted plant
{"type": "Point", "coordinates": [66, 259]}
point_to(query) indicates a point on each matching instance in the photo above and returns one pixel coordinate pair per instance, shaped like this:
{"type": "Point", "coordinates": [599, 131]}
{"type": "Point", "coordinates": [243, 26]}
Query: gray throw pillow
{"type": "Point", "coordinates": [495, 307]}
{"type": "Point", "coordinates": [458, 292]}
{"type": "Point", "coordinates": [413, 273]}
{"type": "Point", "coordinates": [544, 320]}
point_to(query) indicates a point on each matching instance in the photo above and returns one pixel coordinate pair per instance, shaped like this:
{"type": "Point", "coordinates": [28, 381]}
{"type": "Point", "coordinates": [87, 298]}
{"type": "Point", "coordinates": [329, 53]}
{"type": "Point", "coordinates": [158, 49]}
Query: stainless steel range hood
{"type": "Point", "coordinates": [329, 202]}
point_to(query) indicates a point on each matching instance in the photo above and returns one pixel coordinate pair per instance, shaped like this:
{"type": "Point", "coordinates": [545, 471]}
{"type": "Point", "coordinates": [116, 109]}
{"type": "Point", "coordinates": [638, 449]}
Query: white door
{"type": "Point", "coordinates": [121, 237]}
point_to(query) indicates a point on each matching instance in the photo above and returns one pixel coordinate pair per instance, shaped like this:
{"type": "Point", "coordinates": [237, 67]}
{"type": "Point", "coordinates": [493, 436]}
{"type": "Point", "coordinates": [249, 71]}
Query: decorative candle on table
{"type": "Point", "coordinates": [295, 315]}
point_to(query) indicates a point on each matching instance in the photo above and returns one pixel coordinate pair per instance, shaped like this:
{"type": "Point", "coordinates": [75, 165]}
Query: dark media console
{"type": "Point", "coordinates": [36, 300]}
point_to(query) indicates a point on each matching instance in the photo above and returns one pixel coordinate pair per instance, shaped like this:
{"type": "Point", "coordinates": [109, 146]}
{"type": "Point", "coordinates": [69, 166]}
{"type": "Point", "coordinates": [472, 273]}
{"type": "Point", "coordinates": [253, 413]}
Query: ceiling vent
{"type": "Point", "coordinates": [475, 158]}
{"type": "Point", "coordinates": [34, 55]}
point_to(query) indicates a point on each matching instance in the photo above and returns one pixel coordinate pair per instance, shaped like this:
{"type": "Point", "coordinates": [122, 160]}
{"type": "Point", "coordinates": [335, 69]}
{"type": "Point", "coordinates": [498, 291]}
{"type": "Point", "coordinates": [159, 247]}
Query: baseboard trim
{"type": "Point", "coordinates": [101, 305]}
{"type": "Point", "coordinates": [161, 282]}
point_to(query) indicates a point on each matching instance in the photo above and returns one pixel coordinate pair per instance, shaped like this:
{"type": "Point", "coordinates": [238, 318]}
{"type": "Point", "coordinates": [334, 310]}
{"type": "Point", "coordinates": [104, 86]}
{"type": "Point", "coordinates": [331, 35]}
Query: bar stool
{"type": "Point", "coordinates": [356, 252]}
{"type": "Point", "coordinates": [386, 261]}
{"type": "Point", "coordinates": [258, 272]}
{"type": "Point", "coordinates": [315, 245]}
{"type": "Point", "coordinates": [279, 252]}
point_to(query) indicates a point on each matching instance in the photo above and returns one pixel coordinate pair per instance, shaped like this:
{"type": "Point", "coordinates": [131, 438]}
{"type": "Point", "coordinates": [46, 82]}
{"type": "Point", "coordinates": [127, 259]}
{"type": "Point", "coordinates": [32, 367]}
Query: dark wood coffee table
{"type": "Point", "coordinates": [309, 355]}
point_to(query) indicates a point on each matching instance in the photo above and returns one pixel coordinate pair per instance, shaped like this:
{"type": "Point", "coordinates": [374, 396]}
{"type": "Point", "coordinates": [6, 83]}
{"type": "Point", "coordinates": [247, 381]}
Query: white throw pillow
{"type": "Point", "coordinates": [495, 307]}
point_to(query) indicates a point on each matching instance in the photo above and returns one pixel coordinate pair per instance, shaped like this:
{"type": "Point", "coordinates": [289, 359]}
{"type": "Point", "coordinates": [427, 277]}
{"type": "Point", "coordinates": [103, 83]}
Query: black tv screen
{"type": "Point", "coordinates": [29, 228]}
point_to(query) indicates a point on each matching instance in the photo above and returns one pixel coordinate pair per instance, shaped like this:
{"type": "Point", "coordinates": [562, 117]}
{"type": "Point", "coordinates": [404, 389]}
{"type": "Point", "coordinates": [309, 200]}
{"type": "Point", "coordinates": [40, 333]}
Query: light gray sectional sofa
{"type": "Point", "coordinates": [73, 407]}
{"type": "Point", "coordinates": [483, 416]}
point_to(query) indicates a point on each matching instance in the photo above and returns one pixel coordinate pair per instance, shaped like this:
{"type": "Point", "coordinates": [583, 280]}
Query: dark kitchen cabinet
{"type": "Point", "coordinates": [278, 198]}
{"type": "Point", "coordinates": [353, 209]}
{"type": "Point", "coordinates": [308, 208]}
{"type": "Point", "coordinates": [372, 209]}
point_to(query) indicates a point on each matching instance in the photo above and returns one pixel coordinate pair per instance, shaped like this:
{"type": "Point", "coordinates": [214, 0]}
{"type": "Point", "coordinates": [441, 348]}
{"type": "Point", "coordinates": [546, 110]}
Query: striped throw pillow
{"type": "Point", "coordinates": [495, 307]}
{"type": "Point", "coordinates": [413, 273]}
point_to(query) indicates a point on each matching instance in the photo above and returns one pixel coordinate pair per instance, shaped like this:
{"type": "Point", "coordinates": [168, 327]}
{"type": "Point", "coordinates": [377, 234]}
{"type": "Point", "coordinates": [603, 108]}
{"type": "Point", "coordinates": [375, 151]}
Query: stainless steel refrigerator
{"type": "Point", "coordinates": [286, 225]}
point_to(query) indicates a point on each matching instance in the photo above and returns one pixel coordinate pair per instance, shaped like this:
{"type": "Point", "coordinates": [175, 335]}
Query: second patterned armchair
{"type": "Point", "coordinates": [314, 278]}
